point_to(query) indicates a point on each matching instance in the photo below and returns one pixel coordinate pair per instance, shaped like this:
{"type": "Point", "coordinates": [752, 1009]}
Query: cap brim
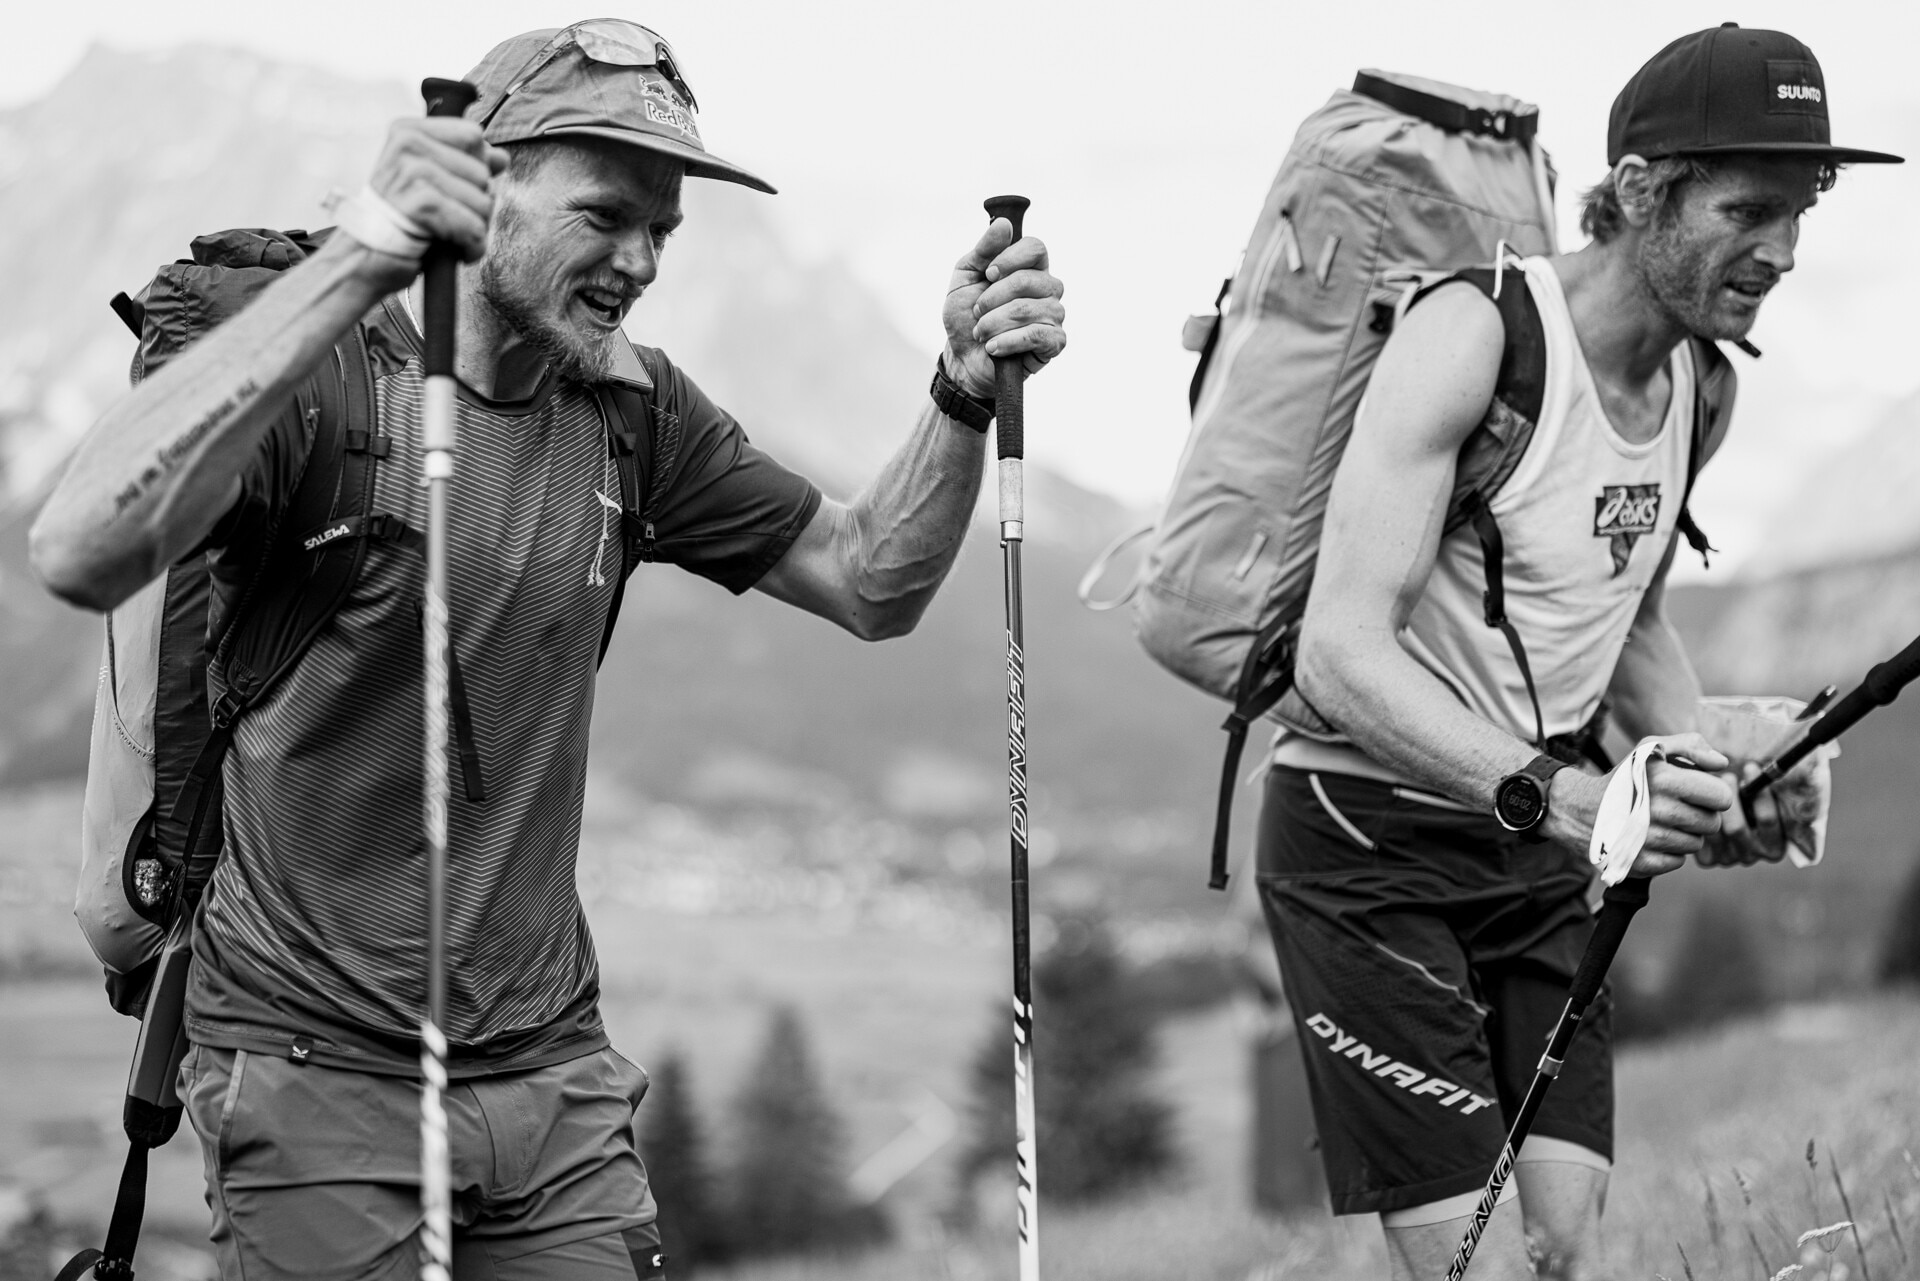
{"type": "Point", "coordinates": [700, 164]}
{"type": "Point", "coordinates": [1812, 150]}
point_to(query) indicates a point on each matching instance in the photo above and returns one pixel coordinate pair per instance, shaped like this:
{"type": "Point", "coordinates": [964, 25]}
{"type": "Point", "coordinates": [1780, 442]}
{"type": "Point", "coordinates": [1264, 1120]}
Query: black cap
{"type": "Point", "coordinates": [1729, 89]}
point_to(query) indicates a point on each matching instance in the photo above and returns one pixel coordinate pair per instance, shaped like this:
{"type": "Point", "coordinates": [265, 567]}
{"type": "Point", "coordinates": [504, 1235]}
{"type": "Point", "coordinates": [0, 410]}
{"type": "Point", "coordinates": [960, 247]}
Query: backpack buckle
{"type": "Point", "coordinates": [227, 709]}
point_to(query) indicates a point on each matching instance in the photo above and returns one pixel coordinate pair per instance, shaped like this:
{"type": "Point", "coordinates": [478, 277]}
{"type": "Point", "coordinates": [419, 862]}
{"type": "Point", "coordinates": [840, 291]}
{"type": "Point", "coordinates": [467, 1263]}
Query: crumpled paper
{"type": "Point", "coordinates": [1754, 729]}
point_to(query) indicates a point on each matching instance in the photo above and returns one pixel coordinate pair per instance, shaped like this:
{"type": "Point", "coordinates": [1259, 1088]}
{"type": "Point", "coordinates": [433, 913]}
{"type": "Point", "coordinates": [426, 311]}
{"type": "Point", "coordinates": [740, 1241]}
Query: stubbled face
{"type": "Point", "coordinates": [1712, 254]}
{"type": "Point", "coordinates": [574, 243]}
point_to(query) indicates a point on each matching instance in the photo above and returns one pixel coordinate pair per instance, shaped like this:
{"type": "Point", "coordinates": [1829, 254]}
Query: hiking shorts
{"type": "Point", "coordinates": [315, 1172]}
{"type": "Point", "coordinates": [1426, 954]}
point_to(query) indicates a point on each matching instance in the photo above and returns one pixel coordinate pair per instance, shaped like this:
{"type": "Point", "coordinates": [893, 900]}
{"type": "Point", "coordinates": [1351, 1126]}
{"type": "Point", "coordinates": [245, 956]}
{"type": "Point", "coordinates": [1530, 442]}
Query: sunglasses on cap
{"type": "Point", "coordinates": [613, 41]}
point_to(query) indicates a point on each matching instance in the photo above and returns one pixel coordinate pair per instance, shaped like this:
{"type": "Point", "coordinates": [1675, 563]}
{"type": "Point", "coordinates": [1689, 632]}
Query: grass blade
{"type": "Point", "coordinates": [1846, 1206]}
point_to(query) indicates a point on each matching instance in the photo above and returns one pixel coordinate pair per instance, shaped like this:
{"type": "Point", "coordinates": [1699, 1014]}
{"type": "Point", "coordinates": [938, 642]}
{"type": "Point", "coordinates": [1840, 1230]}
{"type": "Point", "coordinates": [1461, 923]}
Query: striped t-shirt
{"type": "Point", "coordinates": [315, 925]}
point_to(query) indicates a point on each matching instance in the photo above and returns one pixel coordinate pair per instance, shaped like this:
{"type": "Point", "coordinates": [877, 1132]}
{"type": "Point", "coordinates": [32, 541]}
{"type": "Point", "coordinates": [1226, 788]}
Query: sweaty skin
{"type": "Point", "coordinates": [556, 258]}
{"type": "Point", "coordinates": [1703, 266]}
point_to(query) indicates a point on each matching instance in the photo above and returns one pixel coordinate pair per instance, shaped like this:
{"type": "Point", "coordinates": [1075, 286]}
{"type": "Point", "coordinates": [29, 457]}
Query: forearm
{"type": "Point", "coordinates": [1654, 689]}
{"type": "Point", "coordinates": [903, 532]}
{"type": "Point", "coordinates": [1402, 716]}
{"type": "Point", "coordinates": [164, 464]}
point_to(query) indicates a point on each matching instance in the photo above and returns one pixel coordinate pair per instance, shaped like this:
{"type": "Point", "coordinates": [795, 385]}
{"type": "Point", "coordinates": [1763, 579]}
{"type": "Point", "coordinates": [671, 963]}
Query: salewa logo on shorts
{"type": "Point", "coordinates": [327, 536]}
{"type": "Point", "coordinates": [1622, 513]}
{"type": "Point", "coordinates": [1388, 1068]}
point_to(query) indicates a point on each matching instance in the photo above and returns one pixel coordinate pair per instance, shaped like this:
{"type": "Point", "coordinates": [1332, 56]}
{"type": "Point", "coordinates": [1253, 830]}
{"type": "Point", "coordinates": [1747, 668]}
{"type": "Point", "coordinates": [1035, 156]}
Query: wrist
{"type": "Point", "coordinates": [964, 378]}
{"type": "Point", "coordinates": [1572, 802]}
{"type": "Point", "coordinates": [364, 273]}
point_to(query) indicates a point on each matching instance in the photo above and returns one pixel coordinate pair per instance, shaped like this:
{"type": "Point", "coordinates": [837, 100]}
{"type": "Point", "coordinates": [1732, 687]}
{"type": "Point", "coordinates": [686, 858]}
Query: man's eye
{"type": "Point", "coordinates": [661, 234]}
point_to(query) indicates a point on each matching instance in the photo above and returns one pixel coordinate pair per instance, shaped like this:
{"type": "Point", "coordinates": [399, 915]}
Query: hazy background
{"type": "Point", "coordinates": [780, 814]}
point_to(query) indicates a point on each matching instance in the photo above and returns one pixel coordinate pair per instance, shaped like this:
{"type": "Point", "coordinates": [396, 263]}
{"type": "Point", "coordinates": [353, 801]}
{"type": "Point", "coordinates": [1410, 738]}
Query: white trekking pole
{"type": "Point", "coordinates": [1010, 418]}
{"type": "Point", "coordinates": [444, 98]}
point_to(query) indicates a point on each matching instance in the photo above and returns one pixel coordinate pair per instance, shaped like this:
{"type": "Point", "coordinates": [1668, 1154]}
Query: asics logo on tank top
{"type": "Point", "coordinates": [1621, 514]}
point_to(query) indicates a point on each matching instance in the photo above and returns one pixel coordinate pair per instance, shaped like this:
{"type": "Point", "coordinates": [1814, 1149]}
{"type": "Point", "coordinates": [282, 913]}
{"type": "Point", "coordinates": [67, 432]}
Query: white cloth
{"type": "Point", "coordinates": [369, 219]}
{"type": "Point", "coordinates": [1626, 812]}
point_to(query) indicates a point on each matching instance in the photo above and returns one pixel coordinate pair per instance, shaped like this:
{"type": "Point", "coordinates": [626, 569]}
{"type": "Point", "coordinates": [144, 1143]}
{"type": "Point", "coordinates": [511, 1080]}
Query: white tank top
{"type": "Point", "coordinates": [1586, 518]}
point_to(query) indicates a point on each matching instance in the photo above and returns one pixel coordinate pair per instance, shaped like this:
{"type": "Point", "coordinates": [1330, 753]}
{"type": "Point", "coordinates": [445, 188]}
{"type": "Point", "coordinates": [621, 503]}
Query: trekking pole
{"type": "Point", "coordinates": [1010, 416]}
{"type": "Point", "coordinates": [1617, 907]}
{"type": "Point", "coordinates": [444, 98]}
{"type": "Point", "coordinates": [1881, 686]}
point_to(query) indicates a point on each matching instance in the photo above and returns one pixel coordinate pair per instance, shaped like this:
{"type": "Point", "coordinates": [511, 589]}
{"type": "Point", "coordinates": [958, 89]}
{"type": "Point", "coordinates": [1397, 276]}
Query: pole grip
{"type": "Point", "coordinates": [1882, 685]}
{"type": "Point", "coordinates": [1009, 402]}
{"type": "Point", "coordinates": [443, 98]}
{"type": "Point", "coordinates": [1617, 907]}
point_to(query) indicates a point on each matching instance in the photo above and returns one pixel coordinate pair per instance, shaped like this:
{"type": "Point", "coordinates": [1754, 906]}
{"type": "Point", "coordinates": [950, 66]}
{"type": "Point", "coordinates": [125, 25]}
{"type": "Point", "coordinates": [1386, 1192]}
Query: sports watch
{"type": "Point", "coordinates": [1520, 800]}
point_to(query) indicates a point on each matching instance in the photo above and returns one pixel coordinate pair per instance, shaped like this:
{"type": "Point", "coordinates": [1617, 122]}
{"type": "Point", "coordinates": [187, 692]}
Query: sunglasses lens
{"type": "Point", "coordinates": [628, 44]}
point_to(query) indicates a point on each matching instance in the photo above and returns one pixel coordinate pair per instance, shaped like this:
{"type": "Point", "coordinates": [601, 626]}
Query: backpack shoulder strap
{"type": "Point", "coordinates": [1495, 448]}
{"type": "Point", "coordinates": [299, 581]}
{"type": "Point", "coordinates": [1715, 385]}
{"type": "Point", "coordinates": [636, 422]}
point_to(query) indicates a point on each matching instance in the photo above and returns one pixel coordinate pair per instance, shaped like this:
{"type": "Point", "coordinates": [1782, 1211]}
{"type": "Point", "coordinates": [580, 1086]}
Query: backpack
{"type": "Point", "coordinates": [151, 832]}
{"type": "Point", "coordinates": [1387, 192]}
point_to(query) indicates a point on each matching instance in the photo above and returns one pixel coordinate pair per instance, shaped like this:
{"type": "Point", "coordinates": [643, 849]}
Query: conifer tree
{"type": "Point", "coordinates": [1101, 1128]}
{"type": "Point", "coordinates": [789, 1172]}
{"type": "Point", "coordinates": [673, 1145]}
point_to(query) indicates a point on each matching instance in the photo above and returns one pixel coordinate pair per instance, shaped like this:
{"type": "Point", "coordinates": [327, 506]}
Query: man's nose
{"type": "Point", "coordinates": [637, 258]}
{"type": "Point", "coordinates": [1776, 247]}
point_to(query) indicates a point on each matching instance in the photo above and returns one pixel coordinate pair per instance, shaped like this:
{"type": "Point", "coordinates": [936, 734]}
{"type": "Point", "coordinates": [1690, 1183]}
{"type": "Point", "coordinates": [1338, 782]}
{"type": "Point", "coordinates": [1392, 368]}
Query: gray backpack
{"type": "Point", "coordinates": [1389, 189]}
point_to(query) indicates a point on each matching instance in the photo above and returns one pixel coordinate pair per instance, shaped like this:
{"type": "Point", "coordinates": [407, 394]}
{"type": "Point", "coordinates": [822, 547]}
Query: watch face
{"type": "Point", "coordinates": [1521, 802]}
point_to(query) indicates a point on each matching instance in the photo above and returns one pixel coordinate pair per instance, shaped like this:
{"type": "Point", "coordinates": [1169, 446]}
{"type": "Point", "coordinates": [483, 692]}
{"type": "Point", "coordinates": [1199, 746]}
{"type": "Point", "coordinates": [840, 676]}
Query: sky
{"type": "Point", "coordinates": [1146, 136]}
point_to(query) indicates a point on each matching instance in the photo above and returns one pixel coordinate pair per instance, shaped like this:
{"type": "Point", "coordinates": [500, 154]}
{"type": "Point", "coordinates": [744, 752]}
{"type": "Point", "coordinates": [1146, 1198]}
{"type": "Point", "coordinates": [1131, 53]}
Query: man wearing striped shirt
{"type": "Point", "coordinates": [560, 187]}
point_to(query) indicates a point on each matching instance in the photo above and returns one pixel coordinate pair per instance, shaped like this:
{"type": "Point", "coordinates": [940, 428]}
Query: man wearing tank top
{"type": "Point", "coordinates": [1425, 878]}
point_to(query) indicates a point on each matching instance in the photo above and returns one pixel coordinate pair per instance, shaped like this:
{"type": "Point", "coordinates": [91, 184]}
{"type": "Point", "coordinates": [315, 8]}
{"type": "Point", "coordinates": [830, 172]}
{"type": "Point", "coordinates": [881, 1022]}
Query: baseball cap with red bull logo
{"type": "Point", "coordinates": [1729, 89]}
{"type": "Point", "coordinates": [603, 78]}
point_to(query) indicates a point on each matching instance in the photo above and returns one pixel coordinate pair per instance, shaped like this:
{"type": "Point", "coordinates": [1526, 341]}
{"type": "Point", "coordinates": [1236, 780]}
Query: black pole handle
{"type": "Point", "coordinates": [444, 98]}
{"type": "Point", "coordinates": [1009, 404]}
{"type": "Point", "coordinates": [1883, 684]}
{"type": "Point", "coordinates": [1617, 907]}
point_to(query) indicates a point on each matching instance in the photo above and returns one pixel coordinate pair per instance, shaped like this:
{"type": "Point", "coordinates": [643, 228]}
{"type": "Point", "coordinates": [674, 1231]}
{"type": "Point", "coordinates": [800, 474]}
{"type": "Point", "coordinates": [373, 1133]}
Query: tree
{"type": "Point", "coordinates": [1900, 953]}
{"type": "Point", "coordinates": [789, 1173]}
{"type": "Point", "coordinates": [673, 1144]}
{"type": "Point", "coordinates": [1101, 1128]}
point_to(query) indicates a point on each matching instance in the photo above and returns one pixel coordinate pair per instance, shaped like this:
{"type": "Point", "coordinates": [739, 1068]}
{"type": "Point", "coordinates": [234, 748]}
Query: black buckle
{"type": "Point", "coordinates": [226, 709]}
{"type": "Point", "coordinates": [1496, 123]}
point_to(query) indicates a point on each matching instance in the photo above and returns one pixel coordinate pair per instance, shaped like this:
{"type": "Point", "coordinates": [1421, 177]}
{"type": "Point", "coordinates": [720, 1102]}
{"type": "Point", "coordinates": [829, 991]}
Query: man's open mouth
{"type": "Point", "coordinates": [1753, 289]}
{"type": "Point", "coordinates": [603, 304]}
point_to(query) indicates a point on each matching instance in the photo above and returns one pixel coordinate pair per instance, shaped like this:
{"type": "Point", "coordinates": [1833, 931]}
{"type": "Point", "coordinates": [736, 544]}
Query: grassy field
{"type": "Point", "coordinates": [897, 992]}
{"type": "Point", "coordinates": [1714, 1137]}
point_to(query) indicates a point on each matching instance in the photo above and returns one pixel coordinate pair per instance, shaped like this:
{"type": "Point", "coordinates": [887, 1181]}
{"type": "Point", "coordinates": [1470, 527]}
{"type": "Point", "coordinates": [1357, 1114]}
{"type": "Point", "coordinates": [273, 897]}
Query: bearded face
{"type": "Point", "coordinates": [1719, 245]}
{"type": "Point", "coordinates": [574, 240]}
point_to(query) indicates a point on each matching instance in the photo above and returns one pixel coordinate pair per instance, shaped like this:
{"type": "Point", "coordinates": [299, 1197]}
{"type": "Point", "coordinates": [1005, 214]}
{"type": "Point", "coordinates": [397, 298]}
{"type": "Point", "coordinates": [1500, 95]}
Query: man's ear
{"type": "Point", "coordinates": [1632, 189]}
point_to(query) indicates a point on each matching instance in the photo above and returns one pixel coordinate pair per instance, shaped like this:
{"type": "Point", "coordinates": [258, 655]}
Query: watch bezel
{"type": "Point", "coordinates": [1501, 802]}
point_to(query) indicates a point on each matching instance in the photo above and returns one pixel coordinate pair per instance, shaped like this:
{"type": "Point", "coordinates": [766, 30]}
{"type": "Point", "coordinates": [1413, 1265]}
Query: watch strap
{"type": "Point", "coordinates": [949, 399]}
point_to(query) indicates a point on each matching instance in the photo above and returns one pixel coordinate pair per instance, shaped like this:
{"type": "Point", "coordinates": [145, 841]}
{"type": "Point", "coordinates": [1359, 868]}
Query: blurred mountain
{"type": "Point", "coordinates": [706, 699]}
{"type": "Point", "coordinates": [744, 706]}
{"type": "Point", "coordinates": [1858, 504]}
